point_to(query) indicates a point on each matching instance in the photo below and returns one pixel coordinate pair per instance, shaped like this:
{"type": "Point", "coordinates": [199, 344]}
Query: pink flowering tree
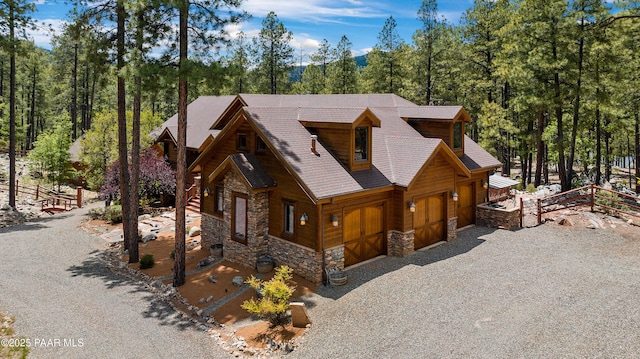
{"type": "Point", "coordinates": [156, 177]}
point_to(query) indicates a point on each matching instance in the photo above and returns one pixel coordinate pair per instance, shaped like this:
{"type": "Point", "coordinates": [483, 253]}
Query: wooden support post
{"type": "Point", "coordinates": [16, 188]}
{"type": "Point", "coordinates": [37, 191]}
{"type": "Point", "coordinates": [539, 211]}
{"type": "Point", "coordinates": [521, 213]}
{"type": "Point", "coordinates": [79, 197]}
{"type": "Point", "coordinates": [593, 198]}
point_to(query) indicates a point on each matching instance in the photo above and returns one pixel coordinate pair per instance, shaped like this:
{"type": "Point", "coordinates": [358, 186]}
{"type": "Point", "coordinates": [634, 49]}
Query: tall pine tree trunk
{"type": "Point", "coordinates": [12, 109]}
{"type": "Point", "coordinates": [598, 178]}
{"type": "Point", "coordinates": [181, 170]}
{"type": "Point", "coordinates": [122, 129]}
{"type": "Point", "coordinates": [576, 107]}
{"type": "Point", "coordinates": [637, 148]}
{"type": "Point", "coordinates": [540, 149]}
{"type": "Point", "coordinates": [135, 142]}
{"type": "Point", "coordinates": [607, 150]}
{"type": "Point", "coordinates": [74, 93]}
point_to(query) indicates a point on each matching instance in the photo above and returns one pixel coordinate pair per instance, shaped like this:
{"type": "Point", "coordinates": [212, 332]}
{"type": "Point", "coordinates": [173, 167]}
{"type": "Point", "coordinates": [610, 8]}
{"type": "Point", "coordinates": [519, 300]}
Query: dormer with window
{"type": "Point", "coordinates": [444, 122]}
{"type": "Point", "coordinates": [347, 133]}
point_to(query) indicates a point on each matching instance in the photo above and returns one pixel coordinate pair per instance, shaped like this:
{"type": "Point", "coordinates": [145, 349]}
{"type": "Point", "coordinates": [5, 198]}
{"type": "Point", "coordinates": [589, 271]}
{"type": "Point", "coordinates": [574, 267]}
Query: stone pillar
{"type": "Point", "coordinates": [334, 257]}
{"type": "Point", "coordinates": [452, 228]}
{"type": "Point", "coordinates": [400, 244]}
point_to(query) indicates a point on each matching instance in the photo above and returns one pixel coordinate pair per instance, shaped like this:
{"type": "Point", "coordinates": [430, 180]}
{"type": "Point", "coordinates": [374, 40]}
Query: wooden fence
{"type": "Point", "coordinates": [48, 197]}
{"type": "Point", "coordinates": [597, 198]}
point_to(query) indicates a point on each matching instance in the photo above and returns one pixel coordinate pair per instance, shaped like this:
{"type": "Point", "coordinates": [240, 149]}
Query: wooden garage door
{"type": "Point", "coordinates": [363, 234]}
{"type": "Point", "coordinates": [429, 221]}
{"type": "Point", "coordinates": [466, 205]}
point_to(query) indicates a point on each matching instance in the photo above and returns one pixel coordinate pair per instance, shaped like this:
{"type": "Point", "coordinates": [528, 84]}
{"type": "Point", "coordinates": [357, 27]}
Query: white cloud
{"type": "Point", "coordinates": [304, 42]}
{"type": "Point", "coordinates": [313, 10]}
{"type": "Point", "coordinates": [45, 30]}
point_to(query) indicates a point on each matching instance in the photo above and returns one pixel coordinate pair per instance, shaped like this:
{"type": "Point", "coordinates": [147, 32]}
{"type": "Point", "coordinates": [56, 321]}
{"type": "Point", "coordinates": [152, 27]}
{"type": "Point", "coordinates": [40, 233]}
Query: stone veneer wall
{"type": "Point", "coordinates": [452, 228]}
{"type": "Point", "coordinates": [400, 244]}
{"type": "Point", "coordinates": [304, 261]}
{"type": "Point", "coordinates": [214, 229]}
{"type": "Point", "coordinates": [498, 218]}
{"type": "Point", "coordinates": [257, 223]}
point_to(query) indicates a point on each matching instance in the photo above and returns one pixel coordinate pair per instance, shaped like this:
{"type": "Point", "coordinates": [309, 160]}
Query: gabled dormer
{"type": "Point", "coordinates": [346, 132]}
{"type": "Point", "coordinates": [444, 122]}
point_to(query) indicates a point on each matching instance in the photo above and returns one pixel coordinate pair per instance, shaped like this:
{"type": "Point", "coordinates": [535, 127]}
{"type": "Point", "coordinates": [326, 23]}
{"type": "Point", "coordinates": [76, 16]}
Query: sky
{"type": "Point", "coordinates": [311, 21]}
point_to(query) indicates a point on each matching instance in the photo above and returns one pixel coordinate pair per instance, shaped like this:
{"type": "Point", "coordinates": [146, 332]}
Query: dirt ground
{"type": "Point", "coordinates": [198, 287]}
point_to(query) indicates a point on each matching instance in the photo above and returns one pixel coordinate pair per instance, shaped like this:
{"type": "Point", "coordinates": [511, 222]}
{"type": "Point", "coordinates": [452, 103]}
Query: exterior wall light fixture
{"type": "Point", "coordinates": [335, 220]}
{"type": "Point", "coordinates": [303, 219]}
{"type": "Point", "coordinates": [454, 195]}
{"type": "Point", "coordinates": [412, 206]}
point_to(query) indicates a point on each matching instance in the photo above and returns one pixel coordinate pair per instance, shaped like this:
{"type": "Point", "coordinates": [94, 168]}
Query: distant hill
{"type": "Point", "coordinates": [294, 75]}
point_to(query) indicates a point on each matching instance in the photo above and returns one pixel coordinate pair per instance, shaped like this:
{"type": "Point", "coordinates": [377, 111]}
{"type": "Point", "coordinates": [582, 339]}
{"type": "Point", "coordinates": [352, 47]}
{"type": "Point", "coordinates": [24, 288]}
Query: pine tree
{"type": "Point", "coordinates": [273, 56]}
{"type": "Point", "coordinates": [343, 71]}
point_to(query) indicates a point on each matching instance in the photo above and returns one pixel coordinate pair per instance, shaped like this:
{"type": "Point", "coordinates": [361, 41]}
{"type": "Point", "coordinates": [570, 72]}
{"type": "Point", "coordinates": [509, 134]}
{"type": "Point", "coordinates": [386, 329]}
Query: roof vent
{"type": "Point", "coordinates": [314, 139]}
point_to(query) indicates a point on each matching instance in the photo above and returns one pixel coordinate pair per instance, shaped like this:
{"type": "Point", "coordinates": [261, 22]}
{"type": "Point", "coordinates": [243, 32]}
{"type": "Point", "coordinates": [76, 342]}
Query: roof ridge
{"type": "Point", "coordinates": [388, 157]}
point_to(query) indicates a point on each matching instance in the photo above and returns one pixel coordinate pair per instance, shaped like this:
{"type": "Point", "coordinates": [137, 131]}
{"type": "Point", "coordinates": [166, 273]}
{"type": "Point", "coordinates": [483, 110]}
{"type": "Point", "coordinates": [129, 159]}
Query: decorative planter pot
{"type": "Point", "coordinates": [264, 265]}
{"type": "Point", "coordinates": [216, 250]}
{"type": "Point", "coordinates": [337, 277]}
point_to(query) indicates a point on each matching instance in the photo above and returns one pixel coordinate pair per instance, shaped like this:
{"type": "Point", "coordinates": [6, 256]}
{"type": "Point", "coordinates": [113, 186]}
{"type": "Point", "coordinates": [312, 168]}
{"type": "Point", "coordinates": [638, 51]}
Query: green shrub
{"type": "Point", "coordinates": [531, 188]}
{"type": "Point", "coordinates": [96, 213]}
{"type": "Point", "coordinates": [113, 214]}
{"type": "Point", "coordinates": [147, 261]}
{"type": "Point", "coordinates": [275, 293]}
{"type": "Point", "coordinates": [172, 255]}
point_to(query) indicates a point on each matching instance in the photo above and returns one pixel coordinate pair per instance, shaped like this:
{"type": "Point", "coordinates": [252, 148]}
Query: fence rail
{"type": "Point", "coordinates": [596, 197]}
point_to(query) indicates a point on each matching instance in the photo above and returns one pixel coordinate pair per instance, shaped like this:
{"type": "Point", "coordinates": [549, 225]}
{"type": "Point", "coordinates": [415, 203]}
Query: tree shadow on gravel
{"type": "Point", "coordinates": [359, 275]}
{"type": "Point", "coordinates": [99, 265]}
{"type": "Point", "coordinates": [33, 224]}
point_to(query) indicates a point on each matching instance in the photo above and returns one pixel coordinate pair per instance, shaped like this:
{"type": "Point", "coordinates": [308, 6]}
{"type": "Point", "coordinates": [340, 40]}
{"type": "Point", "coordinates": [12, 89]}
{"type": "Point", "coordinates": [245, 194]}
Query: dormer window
{"type": "Point", "coordinates": [361, 144]}
{"type": "Point", "coordinates": [457, 135]}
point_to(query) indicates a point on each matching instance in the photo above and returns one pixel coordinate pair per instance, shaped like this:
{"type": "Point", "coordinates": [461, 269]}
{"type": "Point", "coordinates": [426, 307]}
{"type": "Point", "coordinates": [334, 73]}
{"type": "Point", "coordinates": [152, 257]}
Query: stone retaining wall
{"type": "Point", "coordinates": [497, 217]}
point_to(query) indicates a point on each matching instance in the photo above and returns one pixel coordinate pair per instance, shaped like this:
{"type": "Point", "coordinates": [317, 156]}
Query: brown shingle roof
{"type": "Point", "coordinates": [201, 114]}
{"type": "Point", "coordinates": [399, 152]}
{"type": "Point", "coordinates": [475, 157]}
{"type": "Point", "coordinates": [252, 170]}
{"type": "Point", "coordinates": [432, 112]}
{"type": "Point", "coordinates": [327, 101]}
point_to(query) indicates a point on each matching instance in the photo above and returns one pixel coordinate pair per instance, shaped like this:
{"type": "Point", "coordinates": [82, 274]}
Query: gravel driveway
{"type": "Point", "coordinates": [544, 292]}
{"type": "Point", "coordinates": [52, 281]}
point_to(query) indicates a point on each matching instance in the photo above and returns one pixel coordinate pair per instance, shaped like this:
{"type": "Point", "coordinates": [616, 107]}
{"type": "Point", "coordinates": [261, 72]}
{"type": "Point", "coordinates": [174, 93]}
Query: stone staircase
{"type": "Point", "coordinates": [194, 204]}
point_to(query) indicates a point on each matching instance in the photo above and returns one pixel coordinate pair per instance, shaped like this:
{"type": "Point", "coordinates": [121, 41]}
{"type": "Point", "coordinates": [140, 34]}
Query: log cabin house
{"type": "Point", "coordinates": [329, 181]}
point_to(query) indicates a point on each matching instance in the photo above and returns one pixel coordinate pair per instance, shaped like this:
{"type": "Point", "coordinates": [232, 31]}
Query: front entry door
{"type": "Point", "coordinates": [363, 234]}
{"type": "Point", "coordinates": [429, 220]}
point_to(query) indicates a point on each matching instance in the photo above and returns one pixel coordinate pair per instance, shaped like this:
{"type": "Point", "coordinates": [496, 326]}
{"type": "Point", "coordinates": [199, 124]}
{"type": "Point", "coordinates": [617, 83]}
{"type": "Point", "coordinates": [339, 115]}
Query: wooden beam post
{"type": "Point", "coordinates": [539, 211]}
{"type": "Point", "coordinates": [79, 197]}
{"type": "Point", "coordinates": [521, 213]}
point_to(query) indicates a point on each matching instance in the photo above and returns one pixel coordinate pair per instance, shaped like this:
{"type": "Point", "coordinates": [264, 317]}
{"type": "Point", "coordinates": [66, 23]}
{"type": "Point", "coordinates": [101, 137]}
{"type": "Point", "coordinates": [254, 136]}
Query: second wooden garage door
{"type": "Point", "coordinates": [363, 234]}
{"type": "Point", "coordinates": [466, 205]}
{"type": "Point", "coordinates": [429, 221]}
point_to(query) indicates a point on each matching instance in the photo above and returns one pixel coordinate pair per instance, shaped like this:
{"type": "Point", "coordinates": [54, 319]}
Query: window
{"type": "Point", "coordinates": [289, 217]}
{"type": "Point", "coordinates": [361, 144]}
{"type": "Point", "coordinates": [219, 199]}
{"type": "Point", "coordinates": [261, 147]}
{"type": "Point", "coordinates": [239, 220]}
{"type": "Point", "coordinates": [457, 136]}
{"type": "Point", "coordinates": [241, 143]}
